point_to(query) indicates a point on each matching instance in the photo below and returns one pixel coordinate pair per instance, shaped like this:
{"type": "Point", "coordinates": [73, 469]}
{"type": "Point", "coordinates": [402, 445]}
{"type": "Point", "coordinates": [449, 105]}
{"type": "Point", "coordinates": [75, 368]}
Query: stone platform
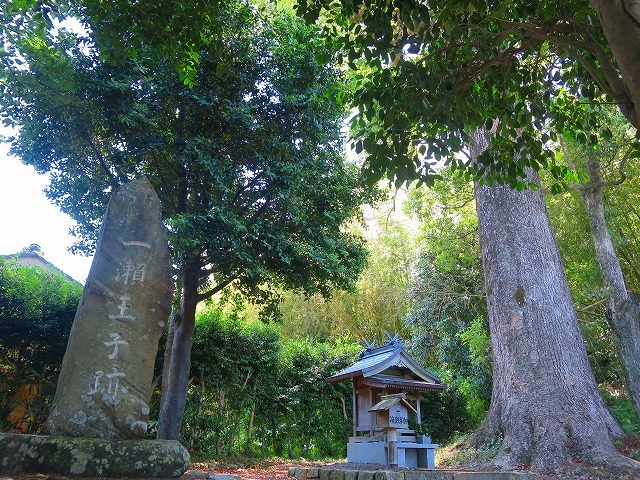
{"type": "Point", "coordinates": [345, 472]}
{"type": "Point", "coordinates": [92, 457]}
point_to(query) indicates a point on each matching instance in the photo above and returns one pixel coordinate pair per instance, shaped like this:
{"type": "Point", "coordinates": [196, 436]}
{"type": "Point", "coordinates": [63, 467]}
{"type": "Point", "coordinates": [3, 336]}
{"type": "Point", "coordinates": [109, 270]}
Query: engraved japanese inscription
{"type": "Point", "coordinates": [106, 377]}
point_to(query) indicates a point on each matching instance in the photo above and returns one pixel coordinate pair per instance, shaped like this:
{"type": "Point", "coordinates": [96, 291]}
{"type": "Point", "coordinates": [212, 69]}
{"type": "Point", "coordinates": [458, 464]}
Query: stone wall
{"type": "Point", "coordinates": [346, 472]}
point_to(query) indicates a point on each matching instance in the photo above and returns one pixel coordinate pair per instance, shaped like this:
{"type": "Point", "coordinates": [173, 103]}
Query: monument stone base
{"type": "Point", "coordinates": [91, 457]}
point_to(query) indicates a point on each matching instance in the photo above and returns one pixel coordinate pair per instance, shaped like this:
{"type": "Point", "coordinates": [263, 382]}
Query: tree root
{"type": "Point", "coordinates": [601, 462]}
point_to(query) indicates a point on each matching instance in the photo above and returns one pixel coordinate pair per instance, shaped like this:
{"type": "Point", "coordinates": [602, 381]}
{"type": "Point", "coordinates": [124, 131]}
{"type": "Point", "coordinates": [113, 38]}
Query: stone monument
{"type": "Point", "coordinates": [106, 378]}
{"type": "Point", "coordinates": [105, 383]}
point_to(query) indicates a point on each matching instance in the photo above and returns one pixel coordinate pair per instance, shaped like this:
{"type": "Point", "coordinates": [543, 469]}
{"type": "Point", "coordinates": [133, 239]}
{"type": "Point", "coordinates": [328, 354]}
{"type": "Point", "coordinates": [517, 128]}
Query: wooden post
{"type": "Point", "coordinates": [372, 415]}
{"type": "Point", "coordinates": [355, 408]}
{"type": "Point", "coordinates": [392, 441]}
{"type": "Point", "coordinates": [418, 415]}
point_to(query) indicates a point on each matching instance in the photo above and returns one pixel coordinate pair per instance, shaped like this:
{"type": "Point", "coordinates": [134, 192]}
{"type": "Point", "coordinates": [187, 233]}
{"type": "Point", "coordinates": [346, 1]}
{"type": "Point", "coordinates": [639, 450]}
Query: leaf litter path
{"type": "Point", "coordinates": [198, 471]}
{"type": "Point", "coordinates": [267, 471]}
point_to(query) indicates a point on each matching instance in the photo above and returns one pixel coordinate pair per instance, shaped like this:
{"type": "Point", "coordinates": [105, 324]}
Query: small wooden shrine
{"type": "Point", "coordinates": [387, 388]}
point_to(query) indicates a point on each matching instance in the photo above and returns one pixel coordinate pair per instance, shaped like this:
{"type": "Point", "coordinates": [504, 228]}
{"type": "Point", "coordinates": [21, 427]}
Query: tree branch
{"type": "Point", "coordinates": [216, 289]}
{"type": "Point", "coordinates": [153, 160]}
{"type": "Point", "coordinates": [632, 7]}
{"type": "Point", "coordinates": [611, 83]}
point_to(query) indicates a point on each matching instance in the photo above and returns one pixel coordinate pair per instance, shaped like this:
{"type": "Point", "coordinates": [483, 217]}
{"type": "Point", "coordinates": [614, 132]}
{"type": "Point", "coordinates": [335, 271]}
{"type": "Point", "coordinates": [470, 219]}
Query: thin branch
{"type": "Point", "coordinates": [113, 180]}
{"type": "Point", "coordinates": [153, 160]}
{"type": "Point", "coordinates": [610, 84]}
{"type": "Point", "coordinates": [246, 380]}
{"type": "Point", "coordinates": [216, 289]}
{"type": "Point", "coordinates": [593, 304]}
{"type": "Point", "coordinates": [459, 206]}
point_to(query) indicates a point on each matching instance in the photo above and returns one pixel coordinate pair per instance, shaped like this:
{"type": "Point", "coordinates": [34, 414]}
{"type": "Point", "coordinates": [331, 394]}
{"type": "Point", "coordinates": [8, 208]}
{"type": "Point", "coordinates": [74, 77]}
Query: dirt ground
{"type": "Point", "coordinates": [270, 470]}
{"type": "Point", "coordinates": [198, 471]}
{"type": "Point", "coordinates": [273, 470]}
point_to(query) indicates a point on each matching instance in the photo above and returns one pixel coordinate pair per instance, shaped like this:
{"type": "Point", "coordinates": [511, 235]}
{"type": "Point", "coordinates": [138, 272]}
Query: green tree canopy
{"type": "Point", "coordinates": [450, 66]}
{"type": "Point", "coordinates": [123, 29]}
{"type": "Point", "coordinates": [246, 159]}
{"type": "Point", "coordinates": [428, 73]}
{"type": "Point", "coordinates": [247, 163]}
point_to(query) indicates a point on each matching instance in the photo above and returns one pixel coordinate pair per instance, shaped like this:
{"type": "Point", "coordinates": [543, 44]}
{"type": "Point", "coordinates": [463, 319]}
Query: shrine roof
{"type": "Point", "coordinates": [373, 361]}
{"type": "Point", "coordinates": [385, 381]}
{"type": "Point", "coordinates": [387, 402]}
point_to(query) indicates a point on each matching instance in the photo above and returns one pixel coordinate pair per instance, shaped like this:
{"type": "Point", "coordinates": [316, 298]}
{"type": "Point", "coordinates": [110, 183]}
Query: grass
{"type": "Point", "coordinates": [629, 445]}
{"type": "Point", "coordinates": [459, 454]}
{"type": "Point", "coordinates": [622, 409]}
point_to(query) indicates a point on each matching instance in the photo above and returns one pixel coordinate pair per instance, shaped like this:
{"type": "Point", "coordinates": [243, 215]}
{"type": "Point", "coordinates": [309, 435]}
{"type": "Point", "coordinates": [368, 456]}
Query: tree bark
{"type": "Point", "coordinates": [546, 409]}
{"type": "Point", "coordinates": [620, 20]}
{"type": "Point", "coordinates": [183, 325]}
{"type": "Point", "coordinates": [624, 312]}
{"type": "Point", "coordinates": [166, 364]}
{"type": "Point", "coordinates": [253, 412]}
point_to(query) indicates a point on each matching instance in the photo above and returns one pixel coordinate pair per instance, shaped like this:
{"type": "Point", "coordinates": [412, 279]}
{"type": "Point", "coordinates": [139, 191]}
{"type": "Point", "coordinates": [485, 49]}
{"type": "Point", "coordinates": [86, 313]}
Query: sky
{"type": "Point", "coordinates": [27, 216]}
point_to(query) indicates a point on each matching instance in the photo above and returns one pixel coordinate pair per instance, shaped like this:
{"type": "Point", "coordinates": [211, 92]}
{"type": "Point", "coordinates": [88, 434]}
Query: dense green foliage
{"type": "Point", "coordinates": [623, 411]}
{"type": "Point", "coordinates": [232, 364]}
{"type": "Point", "coordinates": [37, 308]}
{"type": "Point", "coordinates": [176, 30]}
{"type": "Point", "coordinates": [379, 300]}
{"type": "Point", "coordinates": [428, 73]}
{"type": "Point", "coordinates": [247, 163]}
{"type": "Point", "coordinates": [453, 66]}
{"type": "Point", "coordinates": [254, 391]}
{"type": "Point", "coordinates": [425, 74]}
{"type": "Point", "coordinates": [447, 318]}
{"type": "Point", "coordinates": [311, 417]}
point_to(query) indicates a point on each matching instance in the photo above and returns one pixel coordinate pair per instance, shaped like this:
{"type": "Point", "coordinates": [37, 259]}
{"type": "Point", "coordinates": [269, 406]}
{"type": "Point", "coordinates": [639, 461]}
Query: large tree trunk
{"type": "Point", "coordinates": [183, 325]}
{"type": "Point", "coordinates": [624, 311]}
{"type": "Point", "coordinates": [545, 407]}
{"type": "Point", "coordinates": [620, 20]}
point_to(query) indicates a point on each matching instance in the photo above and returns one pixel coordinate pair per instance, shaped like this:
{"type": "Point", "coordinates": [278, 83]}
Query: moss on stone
{"type": "Point", "coordinates": [91, 457]}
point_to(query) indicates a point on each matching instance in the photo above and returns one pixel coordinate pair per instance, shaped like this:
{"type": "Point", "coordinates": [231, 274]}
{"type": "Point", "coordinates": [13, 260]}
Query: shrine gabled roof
{"type": "Point", "coordinates": [387, 402]}
{"type": "Point", "coordinates": [373, 361]}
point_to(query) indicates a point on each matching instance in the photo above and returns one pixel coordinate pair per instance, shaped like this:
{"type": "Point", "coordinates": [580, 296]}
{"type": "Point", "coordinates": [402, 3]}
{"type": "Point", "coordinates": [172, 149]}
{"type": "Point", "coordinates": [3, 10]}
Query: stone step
{"type": "Point", "coordinates": [328, 473]}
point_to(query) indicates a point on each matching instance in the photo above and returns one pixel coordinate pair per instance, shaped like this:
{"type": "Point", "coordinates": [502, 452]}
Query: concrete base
{"type": "Point", "coordinates": [367, 452]}
{"type": "Point", "coordinates": [91, 456]}
{"type": "Point", "coordinates": [420, 454]}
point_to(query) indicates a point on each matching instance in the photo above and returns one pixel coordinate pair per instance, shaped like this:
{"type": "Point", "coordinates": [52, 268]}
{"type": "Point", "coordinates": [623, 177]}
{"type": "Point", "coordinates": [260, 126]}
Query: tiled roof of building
{"type": "Point", "coordinates": [36, 260]}
{"type": "Point", "coordinates": [374, 361]}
